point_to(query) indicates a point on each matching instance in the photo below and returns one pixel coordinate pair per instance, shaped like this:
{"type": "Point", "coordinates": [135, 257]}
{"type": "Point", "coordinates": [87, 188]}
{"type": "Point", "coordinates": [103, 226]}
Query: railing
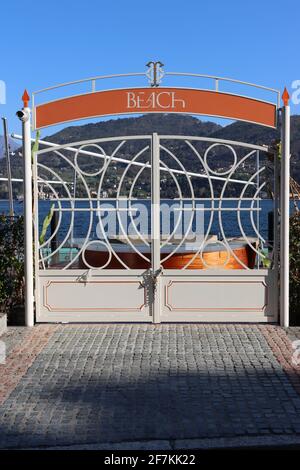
{"type": "Point", "coordinates": [216, 80]}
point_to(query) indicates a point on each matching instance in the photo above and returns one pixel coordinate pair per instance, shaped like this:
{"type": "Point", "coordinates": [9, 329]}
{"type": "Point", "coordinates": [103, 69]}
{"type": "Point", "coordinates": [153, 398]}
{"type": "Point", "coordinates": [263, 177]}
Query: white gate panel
{"type": "Point", "coordinates": [218, 297]}
{"type": "Point", "coordinates": [71, 297]}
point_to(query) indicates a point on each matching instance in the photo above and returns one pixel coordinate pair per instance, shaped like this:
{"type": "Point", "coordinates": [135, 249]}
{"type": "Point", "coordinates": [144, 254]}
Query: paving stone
{"type": "Point", "coordinates": [119, 383]}
{"type": "Point", "coordinates": [13, 336]}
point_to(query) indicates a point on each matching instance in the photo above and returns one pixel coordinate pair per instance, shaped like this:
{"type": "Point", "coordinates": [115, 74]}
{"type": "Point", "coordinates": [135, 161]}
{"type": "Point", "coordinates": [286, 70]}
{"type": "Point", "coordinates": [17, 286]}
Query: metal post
{"type": "Point", "coordinates": [258, 204]}
{"type": "Point", "coordinates": [155, 226]}
{"type": "Point", "coordinates": [28, 220]}
{"type": "Point", "coordinates": [276, 233]}
{"type": "Point", "coordinates": [285, 211]}
{"type": "Point", "coordinates": [74, 198]}
{"type": "Point", "coordinates": [271, 228]}
{"type": "Point", "coordinates": [9, 183]}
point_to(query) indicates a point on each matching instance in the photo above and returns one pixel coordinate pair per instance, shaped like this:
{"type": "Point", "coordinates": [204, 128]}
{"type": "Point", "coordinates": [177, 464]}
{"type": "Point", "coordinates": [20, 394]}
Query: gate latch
{"type": "Point", "coordinates": [150, 277]}
{"type": "Point", "coordinates": [155, 275]}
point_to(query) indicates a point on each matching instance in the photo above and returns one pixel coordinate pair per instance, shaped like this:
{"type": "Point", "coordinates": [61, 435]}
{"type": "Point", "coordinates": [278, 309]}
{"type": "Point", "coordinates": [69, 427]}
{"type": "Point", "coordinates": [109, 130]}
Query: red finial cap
{"type": "Point", "coordinates": [25, 98]}
{"type": "Point", "coordinates": [285, 97]}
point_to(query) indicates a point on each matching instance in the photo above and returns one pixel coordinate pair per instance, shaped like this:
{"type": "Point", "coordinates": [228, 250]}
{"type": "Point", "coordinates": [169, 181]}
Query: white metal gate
{"type": "Point", "coordinates": [155, 228]}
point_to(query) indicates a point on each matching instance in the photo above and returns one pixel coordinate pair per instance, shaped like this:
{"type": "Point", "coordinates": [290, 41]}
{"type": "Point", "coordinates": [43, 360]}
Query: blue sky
{"type": "Point", "coordinates": [45, 43]}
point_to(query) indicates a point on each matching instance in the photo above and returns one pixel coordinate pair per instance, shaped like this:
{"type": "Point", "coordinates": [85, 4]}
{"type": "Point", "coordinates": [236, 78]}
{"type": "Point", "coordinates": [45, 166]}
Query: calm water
{"type": "Point", "coordinates": [142, 215]}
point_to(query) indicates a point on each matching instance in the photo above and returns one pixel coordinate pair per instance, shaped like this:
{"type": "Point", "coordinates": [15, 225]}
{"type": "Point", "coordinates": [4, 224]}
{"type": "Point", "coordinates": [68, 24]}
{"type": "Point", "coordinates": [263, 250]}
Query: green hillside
{"type": "Point", "coordinates": [164, 124]}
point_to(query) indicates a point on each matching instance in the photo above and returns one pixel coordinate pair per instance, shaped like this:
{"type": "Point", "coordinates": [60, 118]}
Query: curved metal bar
{"type": "Point", "coordinates": [131, 208]}
{"type": "Point", "coordinates": [251, 215]}
{"type": "Point", "coordinates": [98, 267]}
{"type": "Point", "coordinates": [211, 267]}
{"type": "Point", "coordinates": [130, 201]}
{"type": "Point", "coordinates": [267, 244]}
{"type": "Point", "coordinates": [41, 180]}
{"type": "Point", "coordinates": [72, 213]}
{"type": "Point", "coordinates": [123, 160]}
{"type": "Point", "coordinates": [95, 141]}
{"type": "Point", "coordinates": [99, 208]}
{"type": "Point", "coordinates": [84, 80]}
{"type": "Point", "coordinates": [212, 139]}
{"type": "Point", "coordinates": [220, 209]}
{"type": "Point", "coordinates": [193, 202]}
{"type": "Point", "coordinates": [181, 207]}
{"type": "Point", "coordinates": [239, 214]}
{"type": "Point", "coordinates": [227, 79]}
{"type": "Point", "coordinates": [103, 156]}
{"type": "Point", "coordinates": [117, 205]}
{"type": "Point", "coordinates": [162, 137]}
{"type": "Point", "coordinates": [212, 199]}
{"type": "Point", "coordinates": [223, 145]}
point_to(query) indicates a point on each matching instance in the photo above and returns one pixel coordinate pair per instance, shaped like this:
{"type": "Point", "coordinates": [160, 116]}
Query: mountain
{"type": "Point", "coordinates": [161, 123]}
{"type": "Point", "coordinates": [246, 132]}
{"type": "Point", "coordinates": [177, 124]}
{"type": "Point", "coordinates": [184, 125]}
{"type": "Point", "coordinates": [168, 124]}
{"type": "Point", "coordinates": [12, 145]}
{"type": "Point", "coordinates": [251, 133]}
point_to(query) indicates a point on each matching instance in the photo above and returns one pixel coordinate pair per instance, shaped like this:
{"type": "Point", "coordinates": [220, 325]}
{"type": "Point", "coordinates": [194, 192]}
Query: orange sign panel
{"type": "Point", "coordinates": [158, 100]}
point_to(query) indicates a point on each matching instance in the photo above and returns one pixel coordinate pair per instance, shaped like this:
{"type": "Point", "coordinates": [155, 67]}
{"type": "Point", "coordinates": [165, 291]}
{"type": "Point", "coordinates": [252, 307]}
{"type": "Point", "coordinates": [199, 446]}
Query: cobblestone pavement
{"type": "Point", "coordinates": [95, 384]}
{"type": "Point", "coordinates": [14, 336]}
{"type": "Point", "coordinates": [293, 333]}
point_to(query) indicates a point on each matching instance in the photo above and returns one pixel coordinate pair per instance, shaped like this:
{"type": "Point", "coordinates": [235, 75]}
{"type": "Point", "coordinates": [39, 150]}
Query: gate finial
{"type": "Point", "coordinates": [25, 98]}
{"type": "Point", "coordinates": [155, 73]}
{"type": "Point", "coordinates": [285, 97]}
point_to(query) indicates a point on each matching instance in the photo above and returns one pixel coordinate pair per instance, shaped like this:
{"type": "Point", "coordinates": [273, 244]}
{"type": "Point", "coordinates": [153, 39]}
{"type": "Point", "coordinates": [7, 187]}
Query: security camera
{"type": "Point", "coordinates": [23, 115]}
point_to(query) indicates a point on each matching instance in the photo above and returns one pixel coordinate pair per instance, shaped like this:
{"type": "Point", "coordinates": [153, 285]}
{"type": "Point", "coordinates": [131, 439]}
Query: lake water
{"type": "Point", "coordinates": [141, 216]}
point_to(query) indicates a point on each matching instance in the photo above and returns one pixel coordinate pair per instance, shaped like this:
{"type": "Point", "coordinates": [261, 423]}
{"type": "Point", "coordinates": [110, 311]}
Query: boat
{"type": "Point", "coordinates": [214, 255]}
